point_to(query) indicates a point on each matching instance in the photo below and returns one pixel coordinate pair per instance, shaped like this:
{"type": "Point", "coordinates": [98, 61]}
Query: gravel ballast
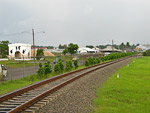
{"type": "Point", "coordinates": [77, 97]}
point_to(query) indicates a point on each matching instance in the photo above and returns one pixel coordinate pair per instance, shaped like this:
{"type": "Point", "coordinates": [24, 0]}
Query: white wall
{"type": "Point", "coordinates": [24, 50]}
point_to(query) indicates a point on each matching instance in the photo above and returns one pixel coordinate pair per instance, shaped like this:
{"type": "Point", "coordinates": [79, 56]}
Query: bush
{"type": "Point", "coordinates": [59, 66]}
{"type": "Point", "coordinates": [87, 63]}
{"type": "Point", "coordinates": [146, 53]}
{"type": "Point", "coordinates": [68, 66]}
{"type": "Point", "coordinates": [47, 68]}
{"type": "Point", "coordinates": [98, 60]}
{"type": "Point", "coordinates": [70, 63]}
{"type": "Point", "coordinates": [41, 71]}
{"type": "Point", "coordinates": [76, 64]}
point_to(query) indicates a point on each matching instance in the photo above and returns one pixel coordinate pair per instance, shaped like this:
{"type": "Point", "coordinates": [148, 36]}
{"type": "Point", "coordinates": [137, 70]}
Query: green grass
{"type": "Point", "coordinates": [16, 64]}
{"type": "Point", "coordinates": [130, 93]}
{"type": "Point", "coordinates": [8, 86]}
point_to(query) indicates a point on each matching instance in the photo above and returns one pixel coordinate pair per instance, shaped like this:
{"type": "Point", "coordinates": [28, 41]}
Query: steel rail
{"type": "Point", "coordinates": [37, 84]}
{"type": "Point", "coordinates": [44, 94]}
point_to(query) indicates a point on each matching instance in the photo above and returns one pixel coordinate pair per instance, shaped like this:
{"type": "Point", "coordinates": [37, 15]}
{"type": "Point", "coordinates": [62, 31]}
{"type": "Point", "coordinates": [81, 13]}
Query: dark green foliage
{"type": "Point", "coordinates": [65, 51]}
{"type": "Point", "coordinates": [98, 60]}
{"type": "Point", "coordinates": [3, 48]}
{"type": "Point", "coordinates": [59, 66]}
{"type": "Point", "coordinates": [44, 70]}
{"type": "Point", "coordinates": [92, 61]}
{"type": "Point", "coordinates": [68, 65]}
{"type": "Point", "coordinates": [41, 71]}
{"type": "Point", "coordinates": [146, 53]}
{"type": "Point", "coordinates": [87, 63]}
{"type": "Point", "coordinates": [40, 65]}
{"type": "Point", "coordinates": [39, 54]}
{"type": "Point", "coordinates": [115, 56]}
{"type": "Point", "coordinates": [72, 48]}
{"type": "Point", "coordinates": [90, 46]}
{"type": "Point", "coordinates": [76, 64]}
{"type": "Point", "coordinates": [48, 68]}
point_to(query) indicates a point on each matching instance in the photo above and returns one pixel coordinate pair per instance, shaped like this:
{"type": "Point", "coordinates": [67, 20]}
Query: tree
{"type": "Point", "coordinates": [90, 46]}
{"type": "Point", "coordinates": [72, 48]}
{"type": "Point", "coordinates": [122, 46]}
{"type": "Point", "coordinates": [39, 53]}
{"type": "Point", "coordinates": [76, 64]}
{"type": "Point", "coordinates": [4, 48]}
{"type": "Point", "coordinates": [50, 47]}
{"type": "Point", "coordinates": [65, 51]}
{"type": "Point", "coordinates": [59, 66]}
{"type": "Point", "coordinates": [128, 45]}
{"type": "Point", "coordinates": [41, 71]}
{"type": "Point", "coordinates": [48, 68]}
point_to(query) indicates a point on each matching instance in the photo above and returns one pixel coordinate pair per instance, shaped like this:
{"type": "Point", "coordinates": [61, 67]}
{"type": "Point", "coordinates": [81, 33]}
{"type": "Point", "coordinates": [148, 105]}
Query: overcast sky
{"type": "Point", "coordinates": [84, 22]}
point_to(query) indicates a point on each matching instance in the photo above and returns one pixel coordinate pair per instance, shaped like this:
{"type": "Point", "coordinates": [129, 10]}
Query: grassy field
{"type": "Point", "coordinates": [130, 93]}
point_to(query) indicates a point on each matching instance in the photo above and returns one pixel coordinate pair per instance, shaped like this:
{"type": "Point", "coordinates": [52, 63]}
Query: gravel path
{"type": "Point", "coordinates": [78, 96]}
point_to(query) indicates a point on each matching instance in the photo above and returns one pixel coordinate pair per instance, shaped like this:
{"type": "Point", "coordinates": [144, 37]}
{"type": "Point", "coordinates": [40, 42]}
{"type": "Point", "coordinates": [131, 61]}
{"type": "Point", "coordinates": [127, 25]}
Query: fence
{"type": "Point", "coordinates": [21, 67]}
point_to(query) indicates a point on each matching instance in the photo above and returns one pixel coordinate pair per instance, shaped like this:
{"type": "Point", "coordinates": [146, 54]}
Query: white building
{"type": "Point", "coordinates": [142, 47]}
{"type": "Point", "coordinates": [110, 49]}
{"type": "Point", "coordinates": [19, 51]}
{"type": "Point", "coordinates": [86, 50]}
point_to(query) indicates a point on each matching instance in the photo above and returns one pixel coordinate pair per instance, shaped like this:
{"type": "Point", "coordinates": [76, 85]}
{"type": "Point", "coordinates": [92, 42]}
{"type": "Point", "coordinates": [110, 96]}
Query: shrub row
{"type": "Point", "coordinates": [92, 61]}
{"type": "Point", "coordinates": [58, 68]}
{"type": "Point", "coordinates": [146, 53]}
{"type": "Point", "coordinates": [44, 70]}
{"type": "Point", "coordinates": [115, 56]}
{"type": "Point", "coordinates": [97, 60]}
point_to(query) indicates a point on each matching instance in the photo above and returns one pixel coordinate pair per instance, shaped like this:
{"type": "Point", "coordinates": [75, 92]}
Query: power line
{"type": "Point", "coordinates": [5, 35]}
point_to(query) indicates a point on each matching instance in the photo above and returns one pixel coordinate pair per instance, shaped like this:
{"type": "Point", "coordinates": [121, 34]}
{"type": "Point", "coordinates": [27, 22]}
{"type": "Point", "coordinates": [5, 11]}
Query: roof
{"type": "Point", "coordinates": [19, 44]}
{"type": "Point", "coordinates": [110, 48]}
{"type": "Point", "coordinates": [85, 48]}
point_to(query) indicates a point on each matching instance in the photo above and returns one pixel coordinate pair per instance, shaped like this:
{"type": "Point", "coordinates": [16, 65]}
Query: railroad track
{"type": "Point", "coordinates": [20, 100]}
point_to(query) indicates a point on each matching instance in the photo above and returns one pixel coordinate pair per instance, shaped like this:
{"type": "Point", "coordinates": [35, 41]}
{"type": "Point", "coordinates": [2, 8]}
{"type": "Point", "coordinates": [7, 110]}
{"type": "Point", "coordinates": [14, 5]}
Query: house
{"type": "Point", "coordinates": [142, 48]}
{"type": "Point", "coordinates": [86, 50]}
{"type": "Point", "coordinates": [110, 49]}
{"type": "Point", "coordinates": [19, 51]}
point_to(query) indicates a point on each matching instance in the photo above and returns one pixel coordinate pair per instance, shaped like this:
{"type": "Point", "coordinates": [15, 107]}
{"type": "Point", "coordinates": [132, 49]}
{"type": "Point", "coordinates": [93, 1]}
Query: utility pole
{"type": "Point", "coordinates": [112, 45]}
{"type": "Point", "coordinates": [33, 50]}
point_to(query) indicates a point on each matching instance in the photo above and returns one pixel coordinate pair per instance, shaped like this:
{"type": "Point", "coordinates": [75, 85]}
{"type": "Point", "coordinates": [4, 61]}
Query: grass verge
{"type": "Point", "coordinates": [8, 86]}
{"type": "Point", "coordinates": [130, 93]}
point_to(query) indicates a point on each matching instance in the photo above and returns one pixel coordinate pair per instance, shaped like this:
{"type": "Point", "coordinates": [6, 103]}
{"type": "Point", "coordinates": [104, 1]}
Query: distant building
{"type": "Point", "coordinates": [86, 50]}
{"type": "Point", "coordinates": [39, 48]}
{"type": "Point", "coordinates": [142, 47]}
{"type": "Point", "coordinates": [19, 51]}
{"type": "Point", "coordinates": [54, 50]}
{"type": "Point", "coordinates": [110, 49]}
{"type": "Point", "coordinates": [97, 49]}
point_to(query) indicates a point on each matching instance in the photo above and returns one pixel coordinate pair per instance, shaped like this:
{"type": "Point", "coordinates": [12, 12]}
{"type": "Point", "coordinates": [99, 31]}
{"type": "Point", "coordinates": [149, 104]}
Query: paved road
{"type": "Point", "coordinates": [16, 73]}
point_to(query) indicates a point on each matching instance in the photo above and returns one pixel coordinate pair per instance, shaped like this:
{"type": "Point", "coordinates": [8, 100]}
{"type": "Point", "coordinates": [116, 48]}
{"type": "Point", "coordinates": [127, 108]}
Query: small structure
{"type": "Point", "coordinates": [19, 51]}
{"type": "Point", "coordinates": [142, 48]}
{"type": "Point", "coordinates": [110, 49]}
{"type": "Point", "coordinates": [86, 50]}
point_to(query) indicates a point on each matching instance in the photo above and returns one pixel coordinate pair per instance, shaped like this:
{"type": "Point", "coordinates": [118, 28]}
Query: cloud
{"type": "Point", "coordinates": [79, 21]}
